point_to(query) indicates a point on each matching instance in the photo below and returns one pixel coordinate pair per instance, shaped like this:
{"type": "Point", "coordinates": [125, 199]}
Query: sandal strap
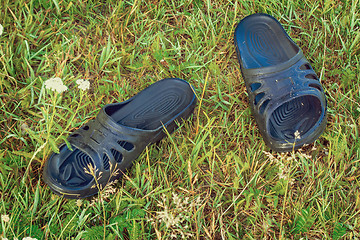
{"type": "Point", "coordinates": [268, 89]}
{"type": "Point", "coordinates": [108, 142]}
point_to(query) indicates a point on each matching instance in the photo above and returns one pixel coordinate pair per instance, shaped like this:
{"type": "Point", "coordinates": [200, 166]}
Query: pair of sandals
{"type": "Point", "coordinates": [285, 95]}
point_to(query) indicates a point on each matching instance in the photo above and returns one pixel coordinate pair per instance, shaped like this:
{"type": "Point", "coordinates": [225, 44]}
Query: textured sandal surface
{"type": "Point", "coordinates": [285, 95]}
{"type": "Point", "coordinates": [117, 136]}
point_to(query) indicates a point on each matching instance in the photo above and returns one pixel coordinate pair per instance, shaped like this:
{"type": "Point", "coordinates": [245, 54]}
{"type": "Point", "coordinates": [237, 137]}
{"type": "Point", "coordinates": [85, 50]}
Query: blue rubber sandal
{"type": "Point", "coordinates": [285, 95]}
{"type": "Point", "coordinates": [117, 136]}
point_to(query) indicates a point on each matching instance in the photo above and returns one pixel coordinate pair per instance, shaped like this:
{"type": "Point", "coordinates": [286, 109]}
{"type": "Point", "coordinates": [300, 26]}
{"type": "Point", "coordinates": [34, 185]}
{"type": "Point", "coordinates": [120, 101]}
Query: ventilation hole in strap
{"type": "Point", "coordinates": [75, 135]}
{"type": "Point", "coordinates": [86, 127]}
{"type": "Point", "coordinates": [126, 145]}
{"type": "Point", "coordinates": [117, 155]}
{"type": "Point", "coordinates": [316, 86]}
{"type": "Point", "coordinates": [84, 160]}
{"type": "Point", "coordinates": [311, 76]}
{"type": "Point", "coordinates": [106, 162]}
{"type": "Point", "coordinates": [263, 106]}
{"type": "Point", "coordinates": [258, 97]}
{"type": "Point", "coordinates": [305, 66]}
{"type": "Point", "coordinates": [255, 86]}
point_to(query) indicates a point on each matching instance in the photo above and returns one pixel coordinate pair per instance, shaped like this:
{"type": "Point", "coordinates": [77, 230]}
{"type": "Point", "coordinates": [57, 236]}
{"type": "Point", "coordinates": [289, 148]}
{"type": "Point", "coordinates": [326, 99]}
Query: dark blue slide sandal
{"type": "Point", "coordinates": [285, 95]}
{"type": "Point", "coordinates": [117, 136]}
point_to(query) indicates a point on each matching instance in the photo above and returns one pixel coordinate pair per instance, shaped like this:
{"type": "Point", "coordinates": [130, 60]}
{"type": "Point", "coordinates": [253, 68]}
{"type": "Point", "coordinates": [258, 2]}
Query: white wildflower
{"type": "Point", "coordinates": [306, 156]}
{"type": "Point", "coordinates": [283, 172]}
{"type": "Point", "coordinates": [5, 218]}
{"type": "Point", "coordinates": [29, 238]}
{"type": "Point", "coordinates": [1, 29]}
{"type": "Point", "coordinates": [176, 215]}
{"type": "Point", "coordinates": [297, 134]}
{"type": "Point", "coordinates": [24, 127]}
{"type": "Point", "coordinates": [79, 202]}
{"type": "Point", "coordinates": [4, 238]}
{"type": "Point", "coordinates": [271, 157]}
{"type": "Point", "coordinates": [83, 84]}
{"type": "Point", "coordinates": [55, 84]}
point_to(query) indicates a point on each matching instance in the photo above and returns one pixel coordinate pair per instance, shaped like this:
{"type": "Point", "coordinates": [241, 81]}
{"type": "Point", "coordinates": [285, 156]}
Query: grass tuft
{"type": "Point", "coordinates": [214, 175]}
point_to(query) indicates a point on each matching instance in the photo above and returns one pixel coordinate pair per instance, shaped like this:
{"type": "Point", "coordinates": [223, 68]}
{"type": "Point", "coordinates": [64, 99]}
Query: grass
{"type": "Point", "coordinates": [235, 187]}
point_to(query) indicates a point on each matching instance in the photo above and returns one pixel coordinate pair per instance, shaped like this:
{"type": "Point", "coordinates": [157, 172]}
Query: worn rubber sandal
{"type": "Point", "coordinates": [285, 95]}
{"type": "Point", "coordinates": [121, 131]}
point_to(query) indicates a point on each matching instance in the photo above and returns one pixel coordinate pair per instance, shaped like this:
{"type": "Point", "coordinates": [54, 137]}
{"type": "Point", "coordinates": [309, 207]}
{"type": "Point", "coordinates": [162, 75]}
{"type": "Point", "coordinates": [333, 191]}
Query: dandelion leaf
{"type": "Point", "coordinates": [339, 231]}
{"type": "Point", "coordinates": [304, 221]}
{"type": "Point", "coordinates": [35, 232]}
{"type": "Point", "coordinates": [94, 233]}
